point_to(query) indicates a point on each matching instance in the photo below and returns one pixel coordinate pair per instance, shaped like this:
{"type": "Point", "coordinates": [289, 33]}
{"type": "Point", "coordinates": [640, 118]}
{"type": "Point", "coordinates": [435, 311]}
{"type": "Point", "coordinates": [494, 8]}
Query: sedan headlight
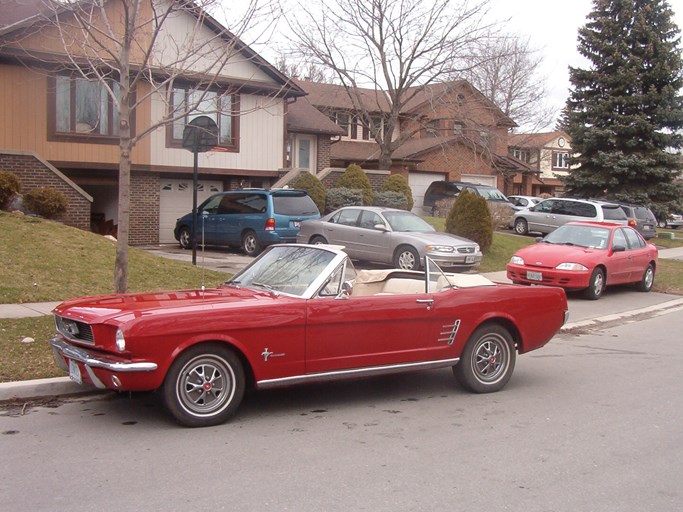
{"type": "Point", "coordinates": [120, 341]}
{"type": "Point", "coordinates": [440, 248]}
{"type": "Point", "coordinates": [517, 260]}
{"type": "Point", "coordinates": [572, 267]}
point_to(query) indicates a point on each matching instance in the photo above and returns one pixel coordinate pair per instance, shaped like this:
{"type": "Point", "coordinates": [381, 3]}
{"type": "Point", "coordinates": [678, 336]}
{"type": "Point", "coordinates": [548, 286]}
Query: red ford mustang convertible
{"type": "Point", "coordinates": [298, 314]}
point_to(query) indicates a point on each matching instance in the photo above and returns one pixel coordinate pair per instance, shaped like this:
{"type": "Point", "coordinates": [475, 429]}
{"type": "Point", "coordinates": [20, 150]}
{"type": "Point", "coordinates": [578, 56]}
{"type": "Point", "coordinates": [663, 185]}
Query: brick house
{"type": "Point", "coordinates": [451, 131]}
{"type": "Point", "coordinates": [52, 134]}
{"type": "Point", "coordinates": [548, 154]}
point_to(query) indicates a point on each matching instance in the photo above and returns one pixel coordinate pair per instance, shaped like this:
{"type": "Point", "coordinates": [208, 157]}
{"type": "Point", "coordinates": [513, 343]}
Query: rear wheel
{"type": "Point", "coordinates": [185, 238]}
{"type": "Point", "coordinates": [407, 258]}
{"type": "Point", "coordinates": [204, 386]}
{"type": "Point", "coordinates": [521, 227]}
{"type": "Point", "coordinates": [251, 244]}
{"type": "Point", "coordinates": [317, 240]}
{"type": "Point", "coordinates": [596, 286]}
{"type": "Point", "coordinates": [487, 361]}
{"type": "Point", "coordinates": [645, 284]}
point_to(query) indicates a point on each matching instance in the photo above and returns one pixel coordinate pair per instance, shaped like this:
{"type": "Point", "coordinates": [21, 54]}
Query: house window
{"type": "Point", "coordinates": [560, 160]}
{"type": "Point", "coordinates": [521, 154]}
{"type": "Point", "coordinates": [343, 120]}
{"type": "Point", "coordinates": [218, 105]}
{"type": "Point", "coordinates": [376, 128]}
{"type": "Point", "coordinates": [432, 128]}
{"type": "Point", "coordinates": [83, 108]}
{"type": "Point", "coordinates": [457, 129]}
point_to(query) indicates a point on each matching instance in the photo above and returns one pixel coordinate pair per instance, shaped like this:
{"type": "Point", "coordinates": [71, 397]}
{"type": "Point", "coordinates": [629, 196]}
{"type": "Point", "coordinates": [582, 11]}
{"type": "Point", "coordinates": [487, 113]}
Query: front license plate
{"type": "Point", "coordinates": [75, 372]}
{"type": "Point", "coordinates": [534, 276]}
{"type": "Point", "coordinates": [647, 228]}
{"type": "Point", "coordinates": [469, 259]}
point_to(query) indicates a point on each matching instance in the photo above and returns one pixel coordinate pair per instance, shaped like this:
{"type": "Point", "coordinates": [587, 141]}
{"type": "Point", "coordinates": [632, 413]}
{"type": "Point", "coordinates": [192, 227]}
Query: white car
{"type": "Point", "coordinates": [522, 202]}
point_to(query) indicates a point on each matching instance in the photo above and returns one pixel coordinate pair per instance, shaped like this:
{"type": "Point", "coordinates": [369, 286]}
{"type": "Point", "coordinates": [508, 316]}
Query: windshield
{"type": "Point", "coordinates": [406, 221]}
{"type": "Point", "coordinates": [492, 194]}
{"type": "Point", "coordinates": [284, 269]}
{"type": "Point", "coordinates": [582, 236]}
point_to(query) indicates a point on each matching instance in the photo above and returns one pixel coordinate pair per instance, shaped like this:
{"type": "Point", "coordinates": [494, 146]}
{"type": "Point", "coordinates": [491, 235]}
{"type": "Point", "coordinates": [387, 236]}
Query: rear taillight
{"type": "Point", "coordinates": [270, 225]}
{"type": "Point", "coordinates": [632, 223]}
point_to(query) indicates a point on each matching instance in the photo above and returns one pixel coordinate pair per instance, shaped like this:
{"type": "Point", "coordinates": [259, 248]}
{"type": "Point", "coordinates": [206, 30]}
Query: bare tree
{"type": "Point", "coordinates": [133, 50]}
{"type": "Point", "coordinates": [506, 69]}
{"type": "Point", "coordinates": [303, 70]}
{"type": "Point", "coordinates": [394, 47]}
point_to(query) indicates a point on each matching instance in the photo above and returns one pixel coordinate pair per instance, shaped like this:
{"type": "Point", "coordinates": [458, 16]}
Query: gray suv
{"type": "Point", "coordinates": [552, 213]}
{"type": "Point", "coordinates": [642, 219]}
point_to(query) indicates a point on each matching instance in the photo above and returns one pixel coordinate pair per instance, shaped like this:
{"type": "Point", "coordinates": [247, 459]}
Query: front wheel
{"type": "Point", "coordinates": [407, 258]}
{"type": "Point", "coordinates": [645, 284]}
{"type": "Point", "coordinates": [596, 286]}
{"type": "Point", "coordinates": [251, 244]}
{"type": "Point", "coordinates": [185, 238]}
{"type": "Point", "coordinates": [521, 227]}
{"type": "Point", "coordinates": [204, 386]}
{"type": "Point", "coordinates": [488, 360]}
{"type": "Point", "coordinates": [318, 240]}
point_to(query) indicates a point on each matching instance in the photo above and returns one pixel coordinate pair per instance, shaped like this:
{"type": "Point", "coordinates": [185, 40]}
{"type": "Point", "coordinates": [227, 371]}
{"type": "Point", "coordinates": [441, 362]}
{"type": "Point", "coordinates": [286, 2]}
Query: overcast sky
{"type": "Point", "coordinates": [551, 25]}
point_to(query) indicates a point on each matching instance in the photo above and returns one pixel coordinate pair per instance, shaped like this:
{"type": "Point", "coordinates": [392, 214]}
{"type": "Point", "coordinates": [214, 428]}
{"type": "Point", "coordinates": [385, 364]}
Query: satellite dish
{"type": "Point", "coordinates": [200, 135]}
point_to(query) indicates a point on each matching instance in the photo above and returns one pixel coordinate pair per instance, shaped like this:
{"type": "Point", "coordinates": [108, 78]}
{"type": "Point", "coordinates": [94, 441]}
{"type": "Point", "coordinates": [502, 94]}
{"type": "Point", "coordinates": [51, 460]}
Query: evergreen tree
{"type": "Point", "coordinates": [624, 114]}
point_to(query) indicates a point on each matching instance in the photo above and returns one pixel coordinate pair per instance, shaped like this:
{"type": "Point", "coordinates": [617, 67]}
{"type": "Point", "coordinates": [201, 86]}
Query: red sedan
{"type": "Point", "coordinates": [587, 256]}
{"type": "Point", "coordinates": [300, 314]}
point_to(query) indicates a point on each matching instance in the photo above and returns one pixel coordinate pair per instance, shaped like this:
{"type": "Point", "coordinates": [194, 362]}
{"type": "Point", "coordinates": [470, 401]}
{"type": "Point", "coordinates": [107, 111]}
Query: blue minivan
{"type": "Point", "coordinates": [249, 218]}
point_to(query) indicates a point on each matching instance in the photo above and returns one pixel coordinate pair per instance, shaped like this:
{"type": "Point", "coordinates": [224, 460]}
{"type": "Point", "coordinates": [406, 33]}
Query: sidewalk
{"type": "Point", "coordinates": [583, 314]}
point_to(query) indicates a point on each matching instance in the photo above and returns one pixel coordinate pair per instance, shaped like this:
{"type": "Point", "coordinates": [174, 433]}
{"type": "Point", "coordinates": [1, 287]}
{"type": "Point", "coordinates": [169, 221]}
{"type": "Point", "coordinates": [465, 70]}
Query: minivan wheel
{"type": "Point", "coordinates": [251, 244]}
{"type": "Point", "coordinates": [521, 227]}
{"type": "Point", "coordinates": [185, 238]}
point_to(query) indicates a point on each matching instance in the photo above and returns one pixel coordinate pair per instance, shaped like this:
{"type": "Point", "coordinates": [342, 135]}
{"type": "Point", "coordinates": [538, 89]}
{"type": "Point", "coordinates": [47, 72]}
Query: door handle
{"type": "Point", "coordinates": [429, 302]}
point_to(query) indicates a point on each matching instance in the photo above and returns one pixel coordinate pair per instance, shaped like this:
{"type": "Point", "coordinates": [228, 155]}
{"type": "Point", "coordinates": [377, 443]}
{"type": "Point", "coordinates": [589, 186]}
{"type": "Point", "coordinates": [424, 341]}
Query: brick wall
{"type": "Point", "coordinates": [324, 145]}
{"type": "Point", "coordinates": [33, 173]}
{"type": "Point", "coordinates": [144, 209]}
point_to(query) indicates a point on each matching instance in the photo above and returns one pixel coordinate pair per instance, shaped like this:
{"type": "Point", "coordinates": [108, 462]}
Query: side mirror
{"type": "Point", "coordinates": [618, 248]}
{"type": "Point", "coordinates": [347, 290]}
{"type": "Point", "coordinates": [380, 227]}
{"type": "Point", "coordinates": [539, 239]}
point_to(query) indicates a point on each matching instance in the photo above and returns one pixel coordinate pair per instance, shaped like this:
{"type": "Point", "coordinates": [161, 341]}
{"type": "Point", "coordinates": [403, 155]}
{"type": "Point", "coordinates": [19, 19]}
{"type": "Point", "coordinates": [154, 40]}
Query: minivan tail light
{"type": "Point", "coordinates": [270, 224]}
{"type": "Point", "coordinates": [632, 223]}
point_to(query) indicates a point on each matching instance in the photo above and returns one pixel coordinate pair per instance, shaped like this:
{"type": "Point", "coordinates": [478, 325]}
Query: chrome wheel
{"type": "Point", "coordinates": [648, 280]}
{"type": "Point", "coordinates": [407, 259]}
{"type": "Point", "coordinates": [184, 238]}
{"type": "Point", "coordinates": [596, 285]}
{"type": "Point", "coordinates": [490, 358]}
{"type": "Point", "coordinates": [250, 244]}
{"type": "Point", "coordinates": [487, 361]}
{"type": "Point", "coordinates": [204, 386]}
{"type": "Point", "coordinates": [521, 227]}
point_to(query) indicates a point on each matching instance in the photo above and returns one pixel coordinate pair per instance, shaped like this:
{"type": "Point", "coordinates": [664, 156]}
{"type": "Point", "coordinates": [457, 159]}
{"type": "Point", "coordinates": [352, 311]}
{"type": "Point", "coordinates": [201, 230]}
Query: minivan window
{"type": "Point", "coordinates": [580, 209]}
{"type": "Point", "coordinates": [293, 204]}
{"type": "Point", "coordinates": [613, 213]}
{"type": "Point", "coordinates": [233, 204]}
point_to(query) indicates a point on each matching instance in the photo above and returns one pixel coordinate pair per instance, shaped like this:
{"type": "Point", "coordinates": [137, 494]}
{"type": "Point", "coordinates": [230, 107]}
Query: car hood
{"type": "Point", "coordinates": [124, 307]}
{"type": "Point", "coordinates": [436, 238]}
{"type": "Point", "coordinates": [550, 255]}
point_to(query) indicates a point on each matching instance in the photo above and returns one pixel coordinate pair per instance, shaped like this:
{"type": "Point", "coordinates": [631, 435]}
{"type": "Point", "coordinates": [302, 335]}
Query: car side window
{"type": "Point", "coordinates": [619, 239]}
{"type": "Point", "coordinates": [368, 220]}
{"type": "Point", "coordinates": [544, 206]}
{"type": "Point", "coordinates": [634, 240]}
{"type": "Point", "coordinates": [211, 206]}
{"type": "Point", "coordinates": [348, 217]}
{"type": "Point", "coordinates": [561, 208]}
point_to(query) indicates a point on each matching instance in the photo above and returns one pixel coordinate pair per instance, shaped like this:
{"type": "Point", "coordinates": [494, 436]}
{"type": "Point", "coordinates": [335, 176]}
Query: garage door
{"type": "Point", "coordinates": [419, 181]}
{"type": "Point", "coordinates": [480, 179]}
{"type": "Point", "coordinates": [175, 200]}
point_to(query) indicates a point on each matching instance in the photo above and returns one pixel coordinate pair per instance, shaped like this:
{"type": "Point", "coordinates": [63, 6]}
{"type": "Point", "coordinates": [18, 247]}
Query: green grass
{"type": "Point", "coordinates": [47, 261]}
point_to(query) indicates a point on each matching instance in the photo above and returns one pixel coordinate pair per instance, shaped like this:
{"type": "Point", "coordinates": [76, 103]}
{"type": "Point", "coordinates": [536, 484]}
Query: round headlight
{"type": "Point", "coordinates": [516, 260]}
{"type": "Point", "coordinates": [120, 341]}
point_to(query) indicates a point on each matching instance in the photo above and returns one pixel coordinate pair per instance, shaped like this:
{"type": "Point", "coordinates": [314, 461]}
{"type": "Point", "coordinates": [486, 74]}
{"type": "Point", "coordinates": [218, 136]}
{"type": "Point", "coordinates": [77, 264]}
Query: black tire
{"type": "Point", "coordinates": [661, 223]}
{"type": "Point", "coordinates": [185, 238]}
{"type": "Point", "coordinates": [487, 361]}
{"type": "Point", "coordinates": [204, 386]}
{"type": "Point", "coordinates": [596, 285]}
{"type": "Point", "coordinates": [645, 284]}
{"type": "Point", "coordinates": [407, 258]}
{"type": "Point", "coordinates": [251, 245]}
{"type": "Point", "coordinates": [521, 226]}
{"type": "Point", "coordinates": [318, 239]}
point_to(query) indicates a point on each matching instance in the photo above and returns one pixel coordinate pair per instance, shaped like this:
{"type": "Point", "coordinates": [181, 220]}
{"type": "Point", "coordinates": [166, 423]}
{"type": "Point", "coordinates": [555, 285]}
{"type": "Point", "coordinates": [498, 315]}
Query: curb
{"type": "Point", "coordinates": [63, 386]}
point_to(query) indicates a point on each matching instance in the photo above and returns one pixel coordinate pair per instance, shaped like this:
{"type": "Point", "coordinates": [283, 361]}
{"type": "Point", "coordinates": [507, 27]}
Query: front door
{"type": "Point", "coordinates": [305, 152]}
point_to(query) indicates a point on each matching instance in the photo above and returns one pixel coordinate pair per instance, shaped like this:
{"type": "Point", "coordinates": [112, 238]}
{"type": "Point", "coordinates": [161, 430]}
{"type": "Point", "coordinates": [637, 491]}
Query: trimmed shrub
{"type": "Point", "coordinates": [398, 183]}
{"type": "Point", "coordinates": [338, 197]}
{"type": "Point", "coordinates": [355, 179]}
{"type": "Point", "coordinates": [391, 199]}
{"type": "Point", "coordinates": [470, 218]}
{"type": "Point", "coordinates": [9, 186]}
{"type": "Point", "coordinates": [306, 181]}
{"type": "Point", "coordinates": [46, 202]}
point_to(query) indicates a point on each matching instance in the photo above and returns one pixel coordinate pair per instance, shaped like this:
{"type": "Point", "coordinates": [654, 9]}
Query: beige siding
{"type": "Point", "coordinates": [261, 139]}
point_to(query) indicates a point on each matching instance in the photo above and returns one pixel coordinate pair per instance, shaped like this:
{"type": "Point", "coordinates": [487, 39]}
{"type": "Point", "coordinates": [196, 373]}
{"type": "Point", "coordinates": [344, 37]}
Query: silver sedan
{"type": "Point", "coordinates": [391, 236]}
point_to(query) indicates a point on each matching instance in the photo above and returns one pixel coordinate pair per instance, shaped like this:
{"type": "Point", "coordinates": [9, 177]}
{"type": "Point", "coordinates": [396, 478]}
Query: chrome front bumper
{"type": "Point", "coordinates": [84, 356]}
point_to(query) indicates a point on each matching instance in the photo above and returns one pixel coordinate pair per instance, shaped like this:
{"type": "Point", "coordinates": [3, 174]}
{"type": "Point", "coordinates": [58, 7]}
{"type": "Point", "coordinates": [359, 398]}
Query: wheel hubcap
{"type": "Point", "coordinates": [406, 261]}
{"type": "Point", "coordinates": [490, 358]}
{"type": "Point", "coordinates": [206, 385]}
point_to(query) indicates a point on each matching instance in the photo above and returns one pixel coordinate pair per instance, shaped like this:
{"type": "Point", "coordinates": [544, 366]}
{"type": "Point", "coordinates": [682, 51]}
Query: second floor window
{"type": "Point", "coordinates": [521, 154]}
{"type": "Point", "coordinates": [560, 160]}
{"type": "Point", "coordinates": [84, 108]}
{"type": "Point", "coordinates": [219, 106]}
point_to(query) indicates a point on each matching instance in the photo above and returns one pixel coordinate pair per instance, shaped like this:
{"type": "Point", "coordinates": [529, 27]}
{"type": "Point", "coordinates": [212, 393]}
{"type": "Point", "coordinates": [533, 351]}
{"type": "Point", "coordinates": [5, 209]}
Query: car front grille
{"type": "Point", "coordinates": [74, 330]}
{"type": "Point", "coordinates": [466, 250]}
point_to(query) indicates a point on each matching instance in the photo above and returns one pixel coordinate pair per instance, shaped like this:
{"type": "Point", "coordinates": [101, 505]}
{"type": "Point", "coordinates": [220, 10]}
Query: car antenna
{"type": "Point", "coordinates": [204, 215]}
